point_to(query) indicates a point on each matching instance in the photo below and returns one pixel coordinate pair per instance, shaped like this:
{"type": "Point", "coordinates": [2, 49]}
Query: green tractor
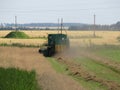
{"type": "Point", "coordinates": [56, 43]}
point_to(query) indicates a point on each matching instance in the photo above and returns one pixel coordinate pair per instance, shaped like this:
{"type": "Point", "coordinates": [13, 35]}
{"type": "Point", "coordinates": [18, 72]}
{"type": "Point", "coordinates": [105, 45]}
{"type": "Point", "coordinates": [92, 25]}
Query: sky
{"type": "Point", "coordinates": [48, 11]}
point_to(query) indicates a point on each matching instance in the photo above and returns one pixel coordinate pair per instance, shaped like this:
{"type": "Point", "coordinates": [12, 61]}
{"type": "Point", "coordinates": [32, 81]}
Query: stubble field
{"type": "Point", "coordinates": [92, 63]}
{"type": "Point", "coordinates": [79, 37]}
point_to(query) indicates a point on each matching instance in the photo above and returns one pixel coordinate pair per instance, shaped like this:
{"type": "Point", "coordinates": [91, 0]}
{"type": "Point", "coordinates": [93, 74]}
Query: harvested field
{"type": "Point", "coordinates": [93, 68]}
{"type": "Point", "coordinates": [82, 38]}
{"type": "Point", "coordinates": [85, 64]}
{"type": "Point", "coordinates": [30, 59]}
{"type": "Point", "coordinates": [23, 41]}
{"type": "Point", "coordinates": [78, 71]}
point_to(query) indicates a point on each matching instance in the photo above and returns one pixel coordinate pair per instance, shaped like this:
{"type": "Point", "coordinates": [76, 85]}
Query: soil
{"type": "Point", "coordinates": [30, 59]}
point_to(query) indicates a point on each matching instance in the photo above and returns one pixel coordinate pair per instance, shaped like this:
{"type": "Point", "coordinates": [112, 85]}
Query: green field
{"type": "Point", "coordinates": [98, 70]}
{"type": "Point", "coordinates": [61, 68]}
{"type": "Point", "coordinates": [110, 52]}
{"type": "Point", "coordinates": [15, 79]}
{"type": "Point", "coordinates": [105, 77]}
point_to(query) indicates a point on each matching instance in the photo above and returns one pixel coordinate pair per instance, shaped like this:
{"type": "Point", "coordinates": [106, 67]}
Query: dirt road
{"type": "Point", "coordinates": [29, 59]}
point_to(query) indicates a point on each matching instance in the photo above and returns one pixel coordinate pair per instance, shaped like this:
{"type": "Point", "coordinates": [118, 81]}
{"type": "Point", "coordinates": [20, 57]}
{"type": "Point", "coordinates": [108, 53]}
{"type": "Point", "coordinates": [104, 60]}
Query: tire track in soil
{"type": "Point", "coordinates": [77, 70]}
{"type": "Point", "coordinates": [29, 59]}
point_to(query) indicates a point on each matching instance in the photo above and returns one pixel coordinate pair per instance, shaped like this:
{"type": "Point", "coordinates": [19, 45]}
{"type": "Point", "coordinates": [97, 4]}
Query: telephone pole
{"type": "Point", "coordinates": [94, 25]}
{"type": "Point", "coordinates": [16, 23]}
{"type": "Point", "coordinates": [58, 24]}
{"type": "Point", "coordinates": [61, 25]}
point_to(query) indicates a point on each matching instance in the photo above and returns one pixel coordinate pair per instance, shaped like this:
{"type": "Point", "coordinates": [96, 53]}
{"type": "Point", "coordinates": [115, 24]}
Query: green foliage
{"type": "Point", "coordinates": [15, 79]}
{"type": "Point", "coordinates": [19, 45]}
{"type": "Point", "coordinates": [17, 34]}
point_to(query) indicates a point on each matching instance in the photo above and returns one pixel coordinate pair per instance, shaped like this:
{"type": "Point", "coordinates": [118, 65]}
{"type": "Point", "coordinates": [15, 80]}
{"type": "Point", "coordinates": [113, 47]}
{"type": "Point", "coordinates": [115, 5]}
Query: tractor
{"type": "Point", "coordinates": [56, 43]}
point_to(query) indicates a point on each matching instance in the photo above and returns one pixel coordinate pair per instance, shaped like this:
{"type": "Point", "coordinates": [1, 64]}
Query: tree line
{"type": "Point", "coordinates": [71, 26]}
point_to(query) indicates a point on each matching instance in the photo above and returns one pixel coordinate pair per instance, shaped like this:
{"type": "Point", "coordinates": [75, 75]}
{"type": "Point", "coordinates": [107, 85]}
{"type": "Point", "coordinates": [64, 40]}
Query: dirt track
{"type": "Point", "coordinates": [76, 69]}
{"type": "Point", "coordinates": [28, 59]}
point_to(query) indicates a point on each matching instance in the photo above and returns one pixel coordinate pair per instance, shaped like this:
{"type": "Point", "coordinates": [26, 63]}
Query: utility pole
{"type": "Point", "coordinates": [58, 24]}
{"type": "Point", "coordinates": [94, 25]}
{"type": "Point", "coordinates": [61, 25]}
{"type": "Point", "coordinates": [16, 23]}
{"type": "Point", "coordinates": [1, 26]}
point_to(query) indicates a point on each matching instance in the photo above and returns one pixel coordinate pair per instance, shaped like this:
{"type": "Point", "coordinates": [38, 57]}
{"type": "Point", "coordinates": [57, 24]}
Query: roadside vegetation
{"type": "Point", "coordinates": [15, 79]}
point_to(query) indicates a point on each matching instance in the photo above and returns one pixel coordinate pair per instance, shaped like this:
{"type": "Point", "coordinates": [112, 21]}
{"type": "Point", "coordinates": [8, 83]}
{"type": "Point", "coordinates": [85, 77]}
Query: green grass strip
{"type": "Point", "coordinates": [15, 79]}
{"type": "Point", "coordinates": [100, 70]}
{"type": "Point", "coordinates": [61, 68]}
{"type": "Point", "coordinates": [57, 66]}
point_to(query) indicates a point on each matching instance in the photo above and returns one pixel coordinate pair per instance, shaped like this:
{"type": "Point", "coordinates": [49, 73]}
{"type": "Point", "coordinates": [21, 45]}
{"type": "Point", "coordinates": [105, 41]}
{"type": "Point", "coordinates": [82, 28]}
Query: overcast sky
{"type": "Point", "coordinates": [78, 11]}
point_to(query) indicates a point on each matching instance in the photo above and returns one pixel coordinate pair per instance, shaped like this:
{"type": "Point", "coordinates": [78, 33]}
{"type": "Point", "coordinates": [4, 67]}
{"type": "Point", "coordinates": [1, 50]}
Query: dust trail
{"type": "Point", "coordinates": [67, 57]}
{"type": "Point", "coordinates": [77, 51]}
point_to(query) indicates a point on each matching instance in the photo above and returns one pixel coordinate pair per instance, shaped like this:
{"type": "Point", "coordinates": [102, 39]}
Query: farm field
{"type": "Point", "coordinates": [82, 38]}
{"type": "Point", "coordinates": [94, 71]}
{"type": "Point", "coordinates": [29, 59]}
{"type": "Point", "coordinates": [92, 63]}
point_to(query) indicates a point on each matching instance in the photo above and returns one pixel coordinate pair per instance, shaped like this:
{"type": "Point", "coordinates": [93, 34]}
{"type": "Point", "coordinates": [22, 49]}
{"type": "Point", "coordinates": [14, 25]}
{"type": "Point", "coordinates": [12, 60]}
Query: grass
{"type": "Point", "coordinates": [19, 45]}
{"type": "Point", "coordinates": [91, 85]}
{"type": "Point", "coordinates": [84, 37]}
{"type": "Point", "coordinates": [61, 68]}
{"type": "Point", "coordinates": [99, 70]}
{"type": "Point", "coordinates": [57, 66]}
{"type": "Point", "coordinates": [118, 38]}
{"type": "Point", "coordinates": [112, 52]}
{"type": "Point", "coordinates": [94, 67]}
{"type": "Point", "coordinates": [39, 37]}
{"type": "Point", "coordinates": [17, 34]}
{"type": "Point", "coordinates": [15, 79]}
{"type": "Point", "coordinates": [23, 41]}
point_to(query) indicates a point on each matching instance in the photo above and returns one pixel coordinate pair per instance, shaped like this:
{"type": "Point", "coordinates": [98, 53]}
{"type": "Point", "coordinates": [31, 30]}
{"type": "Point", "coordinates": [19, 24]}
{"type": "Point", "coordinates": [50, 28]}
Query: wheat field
{"type": "Point", "coordinates": [83, 38]}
